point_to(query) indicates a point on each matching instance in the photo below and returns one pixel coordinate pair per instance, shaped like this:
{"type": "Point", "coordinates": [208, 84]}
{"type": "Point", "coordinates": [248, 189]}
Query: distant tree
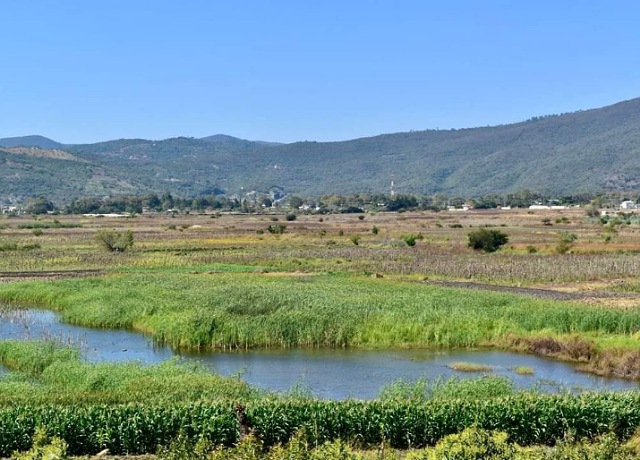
{"type": "Point", "coordinates": [487, 240]}
{"type": "Point", "coordinates": [40, 206]}
{"type": "Point", "coordinates": [402, 203]}
{"type": "Point", "coordinates": [167, 202]}
{"type": "Point", "coordinates": [352, 210]}
{"type": "Point", "coordinates": [266, 202]}
{"type": "Point", "coordinates": [592, 211]}
{"type": "Point", "coordinates": [152, 202]}
{"type": "Point", "coordinates": [295, 202]}
{"type": "Point", "coordinates": [115, 241]}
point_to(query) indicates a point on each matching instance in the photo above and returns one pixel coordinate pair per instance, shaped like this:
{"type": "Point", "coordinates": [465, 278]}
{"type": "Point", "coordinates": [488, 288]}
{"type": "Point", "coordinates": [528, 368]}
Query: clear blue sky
{"type": "Point", "coordinates": [85, 71]}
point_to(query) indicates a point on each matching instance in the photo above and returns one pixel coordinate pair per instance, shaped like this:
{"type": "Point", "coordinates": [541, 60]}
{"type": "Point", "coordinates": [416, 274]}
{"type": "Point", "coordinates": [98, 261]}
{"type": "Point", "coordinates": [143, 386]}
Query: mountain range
{"type": "Point", "coordinates": [585, 151]}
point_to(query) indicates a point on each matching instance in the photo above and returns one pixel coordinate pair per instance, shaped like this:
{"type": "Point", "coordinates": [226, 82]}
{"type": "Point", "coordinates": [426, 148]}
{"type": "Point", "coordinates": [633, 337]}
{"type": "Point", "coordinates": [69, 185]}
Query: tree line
{"type": "Point", "coordinates": [350, 203]}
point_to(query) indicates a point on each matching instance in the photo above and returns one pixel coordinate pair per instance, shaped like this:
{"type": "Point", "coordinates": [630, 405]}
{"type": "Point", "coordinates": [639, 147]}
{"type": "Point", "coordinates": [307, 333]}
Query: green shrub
{"type": "Point", "coordinates": [115, 241]}
{"type": "Point", "coordinates": [474, 443]}
{"type": "Point", "coordinates": [44, 448]}
{"type": "Point", "coordinates": [487, 240]}
{"type": "Point", "coordinates": [566, 241]}
{"type": "Point", "coordinates": [277, 229]}
{"type": "Point", "coordinates": [411, 239]}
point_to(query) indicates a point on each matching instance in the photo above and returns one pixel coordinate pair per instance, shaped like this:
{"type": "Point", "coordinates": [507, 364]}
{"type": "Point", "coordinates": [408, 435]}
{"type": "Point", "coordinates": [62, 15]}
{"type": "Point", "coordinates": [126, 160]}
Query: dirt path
{"type": "Point", "coordinates": [538, 292]}
{"type": "Point", "coordinates": [7, 277]}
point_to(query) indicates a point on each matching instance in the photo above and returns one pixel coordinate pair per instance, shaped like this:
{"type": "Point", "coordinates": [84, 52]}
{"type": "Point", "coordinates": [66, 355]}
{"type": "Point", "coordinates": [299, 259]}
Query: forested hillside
{"type": "Point", "coordinates": [586, 151]}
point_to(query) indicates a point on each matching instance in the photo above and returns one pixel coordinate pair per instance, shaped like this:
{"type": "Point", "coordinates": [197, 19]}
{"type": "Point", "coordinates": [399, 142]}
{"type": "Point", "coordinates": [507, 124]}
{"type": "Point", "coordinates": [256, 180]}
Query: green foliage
{"type": "Point", "coordinates": [474, 444]}
{"type": "Point", "coordinates": [40, 205]}
{"type": "Point", "coordinates": [291, 217]}
{"type": "Point", "coordinates": [412, 238]}
{"type": "Point", "coordinates": [375, 230]}
{"type": "Point", "coordinates": [47, 373]}
{"type": "Point", "coordinates": [277, 229]}
{"type": "Point", "coordinates": [114, 241]}
{"type": "Point", "coordinates": [219, 311]}
{"type": "Point", "coordinates": [487, 240]}
{"type": "Point", "coordinates": [44, 448]}
{"type": "Point", "coordinates": [32, 357]}
{"type": "Point", "coordinates": [566, 240]}
{"type": "Point", "coordinates": [355, 239]}
{"type": "Point", "coordinates": [423, 390]}
{"type": "Point", "coordinates": [140, 428]}
{"type": "Point", "coordinates": [184, 447]}
{"type": "Point", "coordinates": [458, 162]}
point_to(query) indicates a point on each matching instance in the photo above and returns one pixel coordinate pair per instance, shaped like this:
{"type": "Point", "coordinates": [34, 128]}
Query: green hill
{"type": "Point", "coordinates": [586, 151]}
{"type": "Point", "coordinates": [30, 141]}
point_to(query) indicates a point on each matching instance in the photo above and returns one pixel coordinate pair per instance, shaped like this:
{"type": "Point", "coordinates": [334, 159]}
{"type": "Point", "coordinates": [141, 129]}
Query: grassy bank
{"type": "Point", "coordinates": [45, 373]}
{"type": "Point", "coordinates": [227, 310]}
{"type": "Point", "coordinates": [212, 309]}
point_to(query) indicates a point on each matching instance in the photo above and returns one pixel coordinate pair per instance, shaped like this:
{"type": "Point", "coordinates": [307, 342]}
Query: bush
{"type": "Point", "coordinates": [487, 240]}
{"type": "Point", "coordinates": [565, 242]}
{"type": "Point", "coordinates": [44, 447]}
{"type": "Point", "coordinates": [474, 443]}
{"type": "Point", "coordinates": [592, 211]}
{"type": "Point", "coordinates": [277, 229]}
{"type": "Point", "coordinates": [291, 217]}
{"type": "Point", "coordinates": [411, 239]}
{"type": "Point", "coordinates": [115, 241]}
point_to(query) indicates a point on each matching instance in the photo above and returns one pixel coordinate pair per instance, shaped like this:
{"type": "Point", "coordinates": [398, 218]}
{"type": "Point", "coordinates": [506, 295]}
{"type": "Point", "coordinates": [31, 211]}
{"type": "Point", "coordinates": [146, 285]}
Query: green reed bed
{"type": "Point", "coordinates": [245, 310]}
{"type": "Point", "coordinates": [44, 373]}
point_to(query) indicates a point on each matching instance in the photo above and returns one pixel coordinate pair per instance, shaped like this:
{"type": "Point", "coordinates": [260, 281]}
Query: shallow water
{"type": "Point", "coordinates": [335, 374]}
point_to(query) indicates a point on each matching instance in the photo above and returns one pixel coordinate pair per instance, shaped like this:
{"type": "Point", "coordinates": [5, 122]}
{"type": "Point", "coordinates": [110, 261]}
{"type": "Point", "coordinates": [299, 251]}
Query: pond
{"type": "Point", "coordinates": [335, 374]}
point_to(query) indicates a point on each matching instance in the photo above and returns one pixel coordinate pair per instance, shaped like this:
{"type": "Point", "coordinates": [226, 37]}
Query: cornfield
{"type": "Point", "coordinates": [139, 428]}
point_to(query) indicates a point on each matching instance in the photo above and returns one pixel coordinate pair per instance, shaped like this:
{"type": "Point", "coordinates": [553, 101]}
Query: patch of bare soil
{"type": "Point", "coordinates": [8, 277]}
{"type": "Point", "coordinates": [592, 296]}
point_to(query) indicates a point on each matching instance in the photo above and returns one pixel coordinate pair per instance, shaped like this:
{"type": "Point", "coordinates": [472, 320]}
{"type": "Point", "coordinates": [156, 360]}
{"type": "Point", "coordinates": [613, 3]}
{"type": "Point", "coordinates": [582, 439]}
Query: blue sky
{"type": "Point", "coordinates": [85, 71]}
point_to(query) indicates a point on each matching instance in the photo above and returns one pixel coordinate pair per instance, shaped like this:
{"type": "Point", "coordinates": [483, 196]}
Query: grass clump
{"type": "Point", "coordinates": [523, 370]}
{"type": "Point", "coordinates": [462, 366]}
{"type": "Point", "coordinates": [423, 390]}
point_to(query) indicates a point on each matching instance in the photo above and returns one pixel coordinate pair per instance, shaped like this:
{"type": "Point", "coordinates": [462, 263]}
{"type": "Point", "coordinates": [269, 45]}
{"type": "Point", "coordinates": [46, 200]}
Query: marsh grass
{"type": "Point", "coordinates": [462, 366]}
{"type": "Point", "coordinates": [212, 310]}
{"type": "Point", "coordinates": [46, 372]}
{"type": "Point", "coordinates": [421, 390]}
{"type": "Point", "coordinates": [523, 370]}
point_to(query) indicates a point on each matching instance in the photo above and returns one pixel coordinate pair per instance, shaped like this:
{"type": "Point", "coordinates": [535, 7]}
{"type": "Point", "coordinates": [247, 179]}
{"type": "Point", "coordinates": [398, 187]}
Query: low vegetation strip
{"type": "Point", "coordinates": [250, 310]}
{"type": "Point", "coordinates": [139, 428]}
